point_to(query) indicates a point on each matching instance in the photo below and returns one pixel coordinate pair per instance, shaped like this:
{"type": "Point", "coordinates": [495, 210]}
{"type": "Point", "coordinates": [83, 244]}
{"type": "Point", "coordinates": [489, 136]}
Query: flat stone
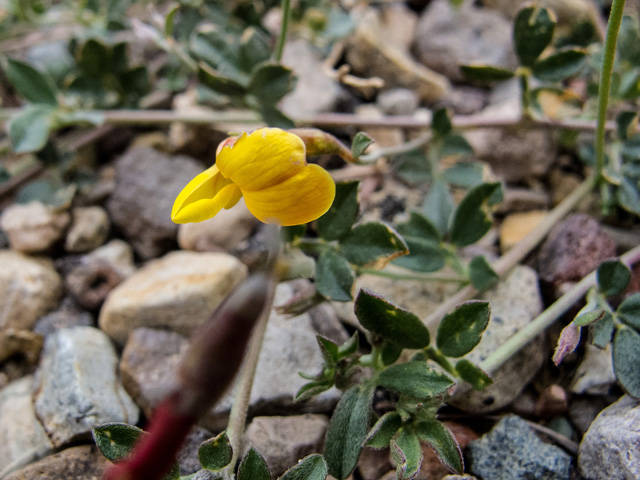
{"type": "Point", "coordinates": [512, 451]}
{"type": "Point", "coordinates": [88, 230]}
{"type": "Point", "coordinates": [33, 227]}
{"type": "Point", "coordinates": [29, 288]}
{"type": "Point", "coordinates": [77, 387]}
{"type": "Point", "coordinates": [76, 463]}
{"type": "Point", "coordinates": [177, 292]}
{"type": "Point", "coordinates": [146, 185]}
{"type": "Point", "coordinates": [609, 449]}
{"type": "Point", "coordinates": [22, 437]}
{"type": "Point", "coordinates": [516, 226]}
{"type": "Point", "coordinates": [282, 441]}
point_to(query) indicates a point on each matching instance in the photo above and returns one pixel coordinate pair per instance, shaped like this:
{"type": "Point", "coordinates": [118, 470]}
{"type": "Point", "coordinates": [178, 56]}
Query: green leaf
{"type": "Point", "coordinates": [413, 167]}
{"type": "Point", "coordinates": [455, 145]}
{"type": "Point", "coordinates": [438, 206]}
{"type": "Point", "coordinates": [311, 467]}
{"type": "Point", "coordinates": [438, 437]}
{"type": "Point", "coordinates": [274, 117]}
{"type": "Point", "coordinates": [407, 454]}
{"type": "Point", "coordinates": [560, 65]}
{"type": "Point", "coordinates": [473, 374]}
{"type": "Point", "coordinates": [384, 430]}
{"type": "Point", "coordinates": [29, 130]}
{"type": "Point", "coordinates": [334, 276]}
{"type": "Point", "coordinates": [224, 85]}
{"type": "Point", "coordinates": [602, 331]}
{"type": "Point", "coordinates": [30, 83]}
{"type": "Point", "coordinates": [360, 143]}
{"type": "Point", "coordinates": [372, 243]}
{"type": "Point", "coordinates": [464, 174]}
{"type": "Point", "coordinates": [472, 219]}
{"type": "Point", "coordinates": [115, 440]}
{"type": "Point", "coordinates": [253, 467]}
{"type": "Point", "coordinates": [481, 274]}
{"type": "Point", "coordinates": [348, 430]}
{"type": "Point", "coordinates": [215, 453]}
{"type": "Point", "coordinates": [94, 58]}
{"type": "Point", "coordinates": [389, 352]}
{"type": "Point", "coordinates": [415, 379]}
{"type": "Point", "coordinates": [441, 123]}
{"type": "Point", "coordinates": [485, 73]}
{"type": "Point", "coordinates": [613, 277]}
{"type": "Point", "coordinates": [626, 360]}
{"type": "Point", "coordinates": [588, 318]}
{"type": "Point", "coordinates": [392, 323]}
{"type": "Point", "coordinates": [419, 226]}
{"type": "Point", "coordinates": [169, 19]}
{"type": "Point", "coordinates": [532, 32]}
{"type": "Point", "coordinates": [629, 311]}
{"type": "Point", "coordinates": [338, 220]}
{"type": "Point", "coordinates": [311, 389]}
{"type": "Point", "coordinates": [254, 48]}
{"type": "Point", "coordinates": [270, 82]}
{"type": "Point", "coordinates": [461, 330]}
{"type": "Point", "coordinates": [423, 240]}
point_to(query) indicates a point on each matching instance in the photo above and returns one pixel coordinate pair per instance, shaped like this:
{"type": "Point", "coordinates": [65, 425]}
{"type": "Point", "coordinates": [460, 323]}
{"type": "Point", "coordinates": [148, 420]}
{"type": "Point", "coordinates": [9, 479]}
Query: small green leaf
{"type": "Point", "coordinates": [626, 360]}
{"type": "Point", "coordinates": [274, 117]}
{"type": "Point", "coordinates": [29, 130]}
{"type": "Point", "coordinates": [270, 82]}
{"type": "Point", "coordinates": [438, 437]}
{"type": "Point", "coordinates": [254, 48]}
{"type": "Point", "coordinates": [224, 85]}
{"type": "Point", "coordinates": [384, 430]}
{"type": "Point", "coordinates": [334, 276]}
{"type": "Point", "coordinates": [311, 389]}
{"type": "Point", "coordinates": [472, 219]}
{"type": "Point", "coordinates": [454, 145]}
{"type": "Point", "coordinates": [360, 143]}
{"type": "Point", "coordinates": [473, 374]}
{"type": "Point", "coordinates": [415, 379]}
{"type": "Point", "coordinates": [587, 318]}
{"type": "Point", "coordinates": [419, 226]}
{"type": "Point", "coordinates": [560, 65]}
{"type": "Point", "coordinates": [481, 274]}
{"type": "Point", "coordinates": [253, 467]}
{"type": "Point", "coordinates": [338, 220]}
{"type": "Point", "coordinates": [311, 467]}
{"type": "Point", "coordinates": [613, 277]}
{"type": "Point", "coordinates": [115, 440]}
{"type": "Point", "coordinates": [95, 58]}
{"type": "Point", "coordinates": [330, 350]}
{"type": "Point", "coordinates": [30, 83]}
{"type": "Point", "coordinates": [413, 167]}
{"type": "Point", "coordinates": [392, 323]}
{"type": "Point", "coordinates": [424, 256]}
{"type": "Point", "coordinates": [390, 352]}
{"type": "Point", "coordinates": [602, 331]}
{"type": "Point", "coordinates": [348, 430]}
{"type": "Point", "coordinates": [532, 32]}
{"type": "Point", "coordinates": [464, 174]}
{"type": "Point", "coordinates": [169, 19]}
{"type": "Point", "coordinates": [215, 453]}
{"type": "Point", "coordinates": [461, 330]}
{"type": "Point", "coordinates": [629, 311]}
{"type": "Point", "coordinates": [407, 454]}
{"type": "Point", "coordinates": [372, 243]}
{"type": "Point", "coordinates": [485, 73]}
{"type": "Point", "coordinates": [438, 206]}
{"type": "Point", "coordinates": [441, 123]}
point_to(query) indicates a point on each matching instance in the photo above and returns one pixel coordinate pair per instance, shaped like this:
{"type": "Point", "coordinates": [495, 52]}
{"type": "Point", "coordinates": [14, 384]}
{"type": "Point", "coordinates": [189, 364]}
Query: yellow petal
{"type": "Point", "coordinates": [204, 196]}
{"type": "Point", "coordinates": [266, 157]}
{"type": "Point", "coordinates": [299, 199]}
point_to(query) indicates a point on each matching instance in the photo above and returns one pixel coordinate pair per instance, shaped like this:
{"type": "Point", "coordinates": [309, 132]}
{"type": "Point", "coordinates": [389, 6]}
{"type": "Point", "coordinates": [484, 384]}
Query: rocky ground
{"type": "Point", "coordinates": [97, 300]}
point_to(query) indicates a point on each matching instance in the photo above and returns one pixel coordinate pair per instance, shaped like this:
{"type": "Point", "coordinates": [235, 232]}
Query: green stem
{"type": "Point", "coordinates": [443, 277]}
{"type": "Point", "coordinates": [286, 4]}
{"type": "Point", "coordinates": [512, 346]}
{"type": "Point", "coordinates": [613, 27]}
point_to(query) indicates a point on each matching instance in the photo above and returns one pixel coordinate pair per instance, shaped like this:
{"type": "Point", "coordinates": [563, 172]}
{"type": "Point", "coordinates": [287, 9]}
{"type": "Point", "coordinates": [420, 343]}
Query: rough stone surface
{"type": "Point", "coordinates": [398, 101]}
{"type": "Point", "coordinates": [282, 441]}
{"type": "Point", "coordinates": [514, 303]}
{"type": "Point", "coordinates": [516, 226]}
{"type": "Point", "coordinates": [20, 342]}
{"type": "Point", "coordinates": [188, 456]}
{"type": "Point", "coordinates": [89, 229]}
{"type": "Point", "coordinates": [68, 314]}
{"type": "Point", "coordinates": [177, 292]}
{"type": "Point", "coordinates": [146, 184]}
{"type": "Point", "coordinates": [222, 232]}
{"type": "Point", "coordinates": [595, 373]}
{"type": "Point", "coordinates": [512, 451]}
{"type": "Point", "coordinates": [583, 410]}
{"type": "Point", "coordinates": [33, 227]}
{"type": "Point", "coordinates": [77, 387]}
{"type": "Point", "coordinates": [447, 37]}
{"type": "Point", "coordinates": [77, 463]}
{"type": "Point", "coordinates": [22, 438]}
{"type": "Point", "coordinates": [611, 447]}
{"type": "Point", "coordinates": [29, 288]}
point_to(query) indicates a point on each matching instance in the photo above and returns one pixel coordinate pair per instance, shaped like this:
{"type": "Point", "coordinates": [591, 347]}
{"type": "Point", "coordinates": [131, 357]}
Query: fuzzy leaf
{"type": "Point", "coordinates": [415, 379]}
{"type": "Point", "coordinates": [372, 243]}
{"type": "Point", "coordinates": [532, 32]}
{"type": "Point", "coordinates": [384, 429]}
{"type": "Point", "coordinates": [311, 467]}
{"type": "Point", "coordinates": [439, 205]}
{"type": "Point", "coordinates": [473, 374]}
{"type": "Point", "coordinates": [461, 330]}
{"type": "Point", "coordinates": [472, 219]}
{"type": "Point", "coordinates": [30, 83]}
{"type": "Point", "coordinates": [481, 274]}
{"type": "Point", "coordinates": [334, 276]}
{"type": "Point", "coordinates": [215, 453]}
{"type": "Point", "coordinates": [270, 82]}
{"type": "Point", "coordinates": [438, 437]}
{"type": "Point", "coordinates": [338, 220]}
{"type": "Point", "coordinates": [602, 330]}
{"type": "Point", "coordinates": [115, 440]}
{"type": "Point", "coordinates": [407, 454]}
{"type": "Point", "coordinates": [613, 277]}
{"type": "Point", "coordinates": [587, 318]}
{"type": "Point", "coordinates": [629, 311]}
{"type": "Point", "coordinates": [560, 65]}
{"type": "Point", "coordinates": [253, 467]}
{"type": "Point", "coordinates": [626, 360]}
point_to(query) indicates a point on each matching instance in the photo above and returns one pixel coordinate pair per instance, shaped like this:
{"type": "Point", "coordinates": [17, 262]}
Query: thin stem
{"type": "Point", "coordinates": [613, 27]}
{"type": "Point", "coordinates": [443, 277]}
{"type": "Point", "coordinates": [409, 146]}
{"type": "Point", "coordinates": [546, 318]}
{"type": "Point", "coordinates": [286, 4]}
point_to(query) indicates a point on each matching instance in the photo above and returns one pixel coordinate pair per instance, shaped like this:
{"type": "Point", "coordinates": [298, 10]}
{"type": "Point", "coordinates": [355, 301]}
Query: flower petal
{"type": "Point", "coordinates": [265, 158]}
{"type": "Point", "coordinates": [300, 199]}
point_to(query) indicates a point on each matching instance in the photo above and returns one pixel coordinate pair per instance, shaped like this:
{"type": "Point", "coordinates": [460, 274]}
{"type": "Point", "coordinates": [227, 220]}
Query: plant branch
{"type": "Point", "coordinates": [286, 4]}
{"type": "Point", "coordinates": [443, 277]}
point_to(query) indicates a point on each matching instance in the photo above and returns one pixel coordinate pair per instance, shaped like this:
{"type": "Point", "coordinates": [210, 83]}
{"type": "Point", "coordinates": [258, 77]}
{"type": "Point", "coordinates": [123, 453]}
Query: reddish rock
{"type": "Point", "coordinates": [76, 463]}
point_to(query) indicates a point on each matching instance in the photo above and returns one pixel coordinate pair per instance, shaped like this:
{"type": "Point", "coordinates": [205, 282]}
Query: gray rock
{"type": "Point", "coordinates": [29, 288]}
{"type": "Point", "coordinates": [395, 22]}
{"type": "Point", "coordinates": [177, 292]}
{"type": "Point", "coordinates": [77, 463]}
{"type": "Point", "coordinates": [147, 183]}
{"type": "Point", "coordinates": [447, 37]}
{"type": "Point", "coordinates": [609, 449]}
{"type": "Point", "coordinates": [68, 314]}
{"type": "Point", "coordinates": [22, 438]}
{"type": "Point", "coordinates": [595, 373]}
{"type": "Point", "coordinates": [514, 303]}
{"type": "Point", "coordinates": [282, 441]}
{"type": "Point", "coordinates": [583, 410]}
{"type": "Point", "coordinates": [512, 451]}
{"type": "Point", "coordinates": [33, 227]}
{"type": "Point", "coordinates": [89, 229]}
{"type": "Point", "coordinates": [76, 386]}
{"type": "Point", "coordinates": [398, 101]}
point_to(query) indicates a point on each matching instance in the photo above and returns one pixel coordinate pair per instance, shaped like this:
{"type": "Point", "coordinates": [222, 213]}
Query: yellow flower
{"type": "Point", "coordinates": [267, 167]}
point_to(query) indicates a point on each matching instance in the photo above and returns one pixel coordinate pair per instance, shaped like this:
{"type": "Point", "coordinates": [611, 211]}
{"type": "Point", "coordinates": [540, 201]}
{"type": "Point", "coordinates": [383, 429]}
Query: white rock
{"type": "Point", "coordinates": [33, 227]}
{"type": "Point", "coordinates": [595, 374]}
{"type": "Point", "coordinates": [89, 229]}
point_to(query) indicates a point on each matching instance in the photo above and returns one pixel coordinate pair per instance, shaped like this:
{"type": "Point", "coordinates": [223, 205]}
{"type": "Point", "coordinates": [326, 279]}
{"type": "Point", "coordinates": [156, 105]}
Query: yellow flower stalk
{"type": "Point", "coordinates": [269, 168]}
